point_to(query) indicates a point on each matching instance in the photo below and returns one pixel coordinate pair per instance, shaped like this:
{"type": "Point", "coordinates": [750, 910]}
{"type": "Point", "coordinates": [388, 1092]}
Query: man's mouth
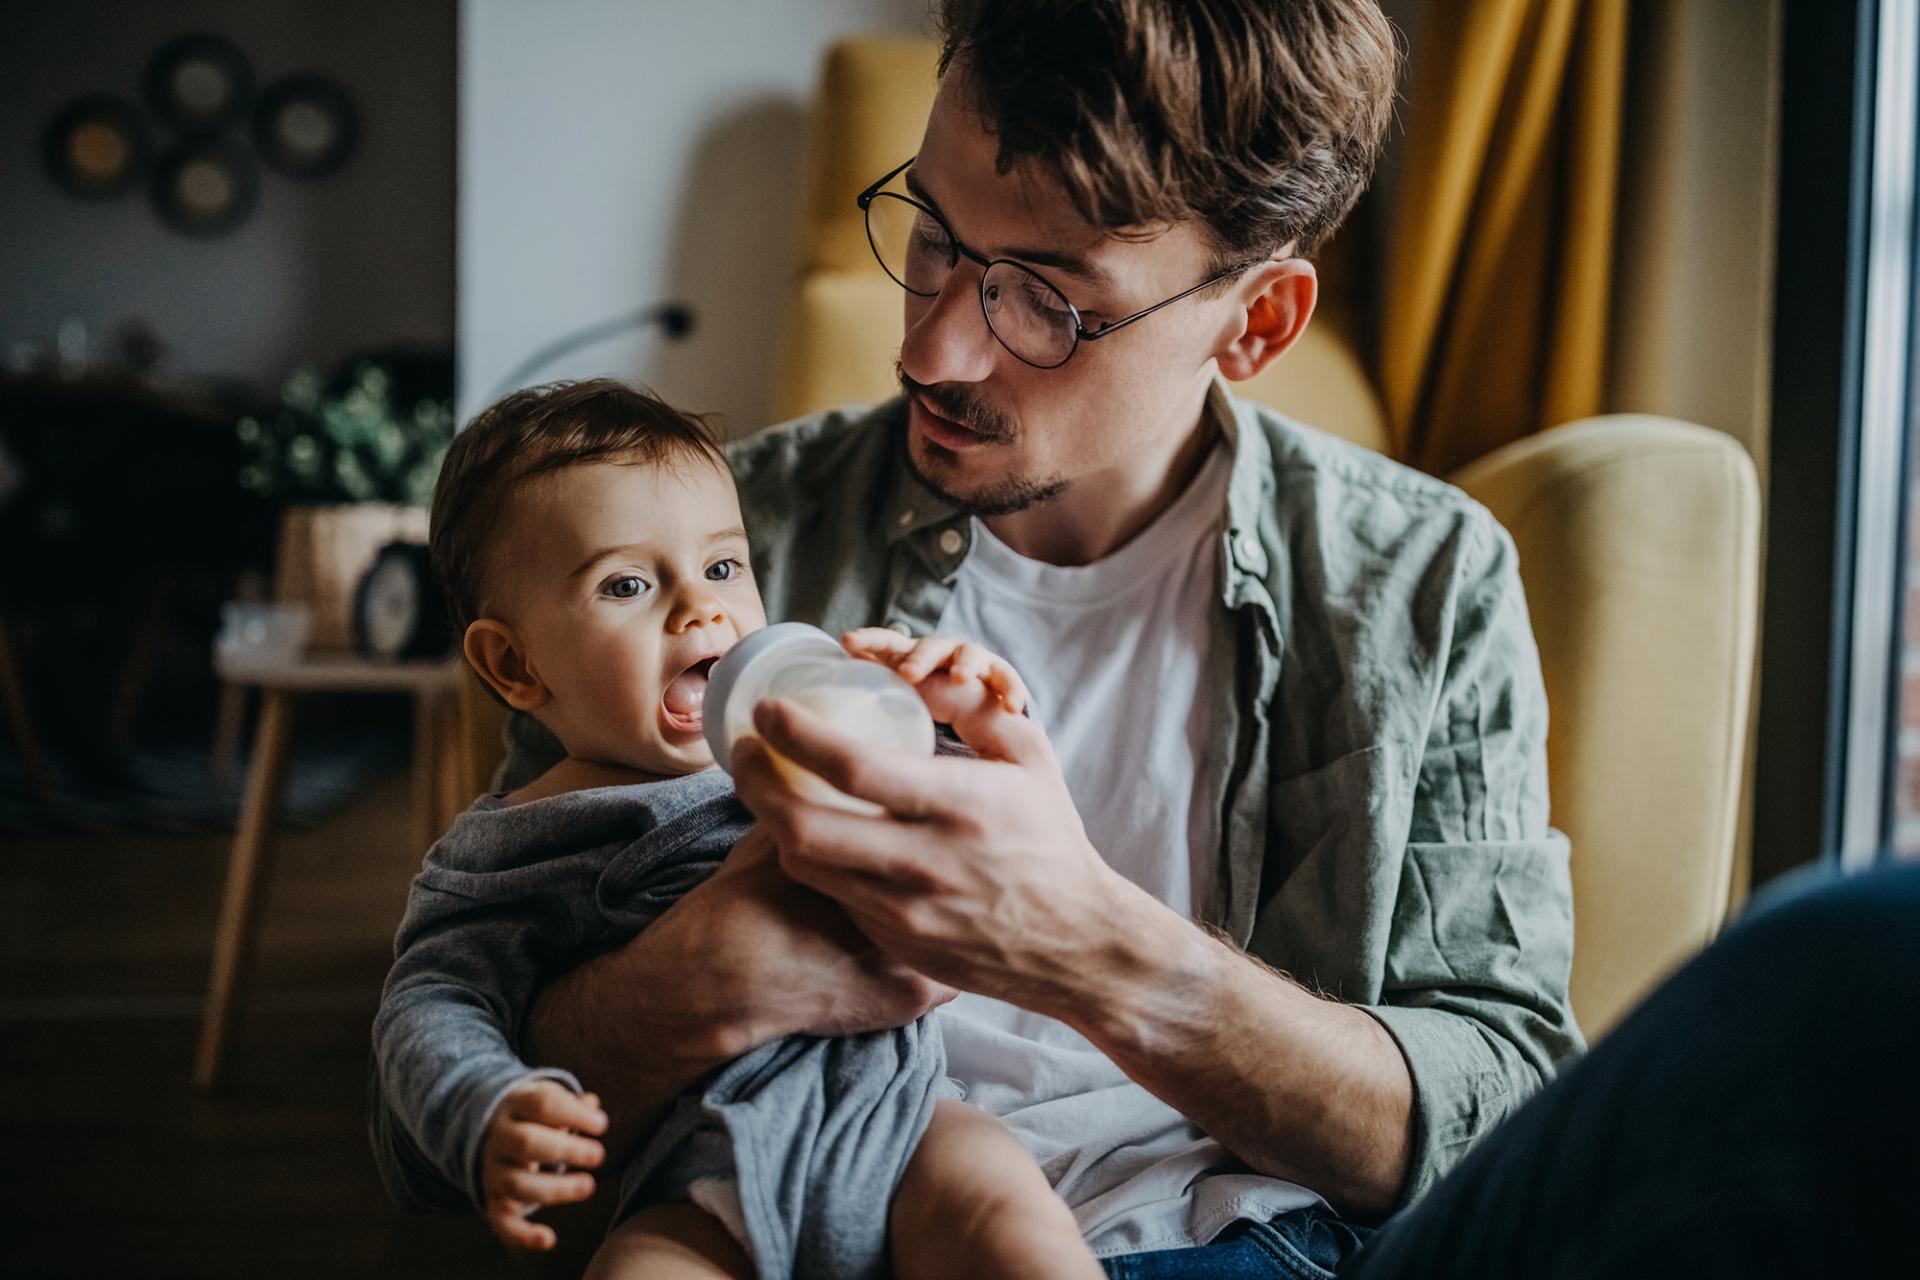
{"type": "Point", "coordinates": [683, 701]}
{"type": "Point", "coordinates": [944, 431]}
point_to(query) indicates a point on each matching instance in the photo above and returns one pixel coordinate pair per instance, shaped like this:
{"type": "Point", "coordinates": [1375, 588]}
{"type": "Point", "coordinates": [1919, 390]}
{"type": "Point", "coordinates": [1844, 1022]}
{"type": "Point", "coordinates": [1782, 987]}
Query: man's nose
{"type": "Point", "coordinates": [947, 339]}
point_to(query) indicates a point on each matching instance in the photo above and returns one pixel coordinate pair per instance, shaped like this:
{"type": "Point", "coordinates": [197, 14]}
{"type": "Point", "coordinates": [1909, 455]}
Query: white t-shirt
{"type": "Point", "coordinates": [1121, 657]}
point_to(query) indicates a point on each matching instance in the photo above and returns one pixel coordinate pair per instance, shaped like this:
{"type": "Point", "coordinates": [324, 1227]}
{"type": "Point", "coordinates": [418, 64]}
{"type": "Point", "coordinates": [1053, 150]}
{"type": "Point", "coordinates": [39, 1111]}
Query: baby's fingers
{"type": "Point", "coordinates": [970, 662]}
{"type": "Point", "coordinates": [1006, 682]}
{"type": "Point", "coordinates": [542, 1144]}
{"type": "Point", "coordinates": [537, 1187]}
{"type": "Point", "coordinates": [509, 1222]}
{"type": "Point", "coordinates": [882, 644]}
{"type": "Point", "coordinates": [553, 1104]}
{"type": "Point", "coordinates": [928, 656]}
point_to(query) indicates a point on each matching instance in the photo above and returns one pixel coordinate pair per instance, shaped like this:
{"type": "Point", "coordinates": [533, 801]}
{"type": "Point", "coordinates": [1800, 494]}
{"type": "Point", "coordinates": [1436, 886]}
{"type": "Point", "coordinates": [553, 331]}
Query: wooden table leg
{"type": "Point", "coordinates": [247, 870]}
{"type": "Point", "coordinates": [13, 702]}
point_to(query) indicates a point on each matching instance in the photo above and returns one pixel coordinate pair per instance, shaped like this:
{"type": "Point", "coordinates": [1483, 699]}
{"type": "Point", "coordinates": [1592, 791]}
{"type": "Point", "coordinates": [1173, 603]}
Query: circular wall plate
{"type": "Point", "coordinates": [305, 126]}
{"type": "Point", "coordinates": [97, 146]}
{"type": "Point", "coordinates": [205, 186]}
{"type": "Point", "coordinates": [198, 82]}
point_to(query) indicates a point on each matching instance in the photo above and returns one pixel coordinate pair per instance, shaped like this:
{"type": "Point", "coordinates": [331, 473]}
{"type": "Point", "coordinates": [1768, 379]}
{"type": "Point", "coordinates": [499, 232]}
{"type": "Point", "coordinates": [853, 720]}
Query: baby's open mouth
{"type": "Point", "coordinates": [683, 700]}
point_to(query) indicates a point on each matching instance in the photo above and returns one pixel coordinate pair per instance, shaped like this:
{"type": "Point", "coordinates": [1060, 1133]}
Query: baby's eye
{"type": "Point", "coordinates": [725, 570]}
{"type": "Point", "coordinates": [625, 587]}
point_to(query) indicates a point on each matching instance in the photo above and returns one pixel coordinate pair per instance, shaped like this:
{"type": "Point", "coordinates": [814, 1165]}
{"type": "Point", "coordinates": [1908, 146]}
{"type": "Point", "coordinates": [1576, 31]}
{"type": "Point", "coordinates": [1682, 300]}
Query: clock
{"type": "Point", "coordinates": [399, 610]}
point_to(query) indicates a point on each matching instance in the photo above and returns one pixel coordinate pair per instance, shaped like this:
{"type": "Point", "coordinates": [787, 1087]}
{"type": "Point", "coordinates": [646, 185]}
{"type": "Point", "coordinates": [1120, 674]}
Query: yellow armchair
{"type": "Point", "coordinates": [1638, 539]}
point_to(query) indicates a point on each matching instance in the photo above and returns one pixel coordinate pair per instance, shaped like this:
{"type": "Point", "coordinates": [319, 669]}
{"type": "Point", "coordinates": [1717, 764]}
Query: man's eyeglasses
{"type": "Point", "coordinates": [1029, 316]}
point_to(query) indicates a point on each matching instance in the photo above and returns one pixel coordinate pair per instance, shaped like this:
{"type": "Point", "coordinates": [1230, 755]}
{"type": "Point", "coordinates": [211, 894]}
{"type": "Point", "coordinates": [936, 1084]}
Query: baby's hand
{"type": "Point", "coordinates": [959, 680]}
{"type": "Point", "coordinates": [529, 1157]}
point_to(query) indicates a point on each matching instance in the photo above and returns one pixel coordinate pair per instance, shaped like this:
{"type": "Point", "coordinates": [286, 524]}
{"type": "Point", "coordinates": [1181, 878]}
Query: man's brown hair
{"type": "Point", "coordinates": [532, 433]}
{"type": "Point", "coordinates": [1261, 118]}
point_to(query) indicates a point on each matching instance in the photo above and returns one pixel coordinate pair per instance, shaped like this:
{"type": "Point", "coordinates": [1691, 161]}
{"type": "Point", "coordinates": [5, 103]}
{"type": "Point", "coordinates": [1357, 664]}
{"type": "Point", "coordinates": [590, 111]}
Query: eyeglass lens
{"type": "Point", "coordinates": [1026, 314]}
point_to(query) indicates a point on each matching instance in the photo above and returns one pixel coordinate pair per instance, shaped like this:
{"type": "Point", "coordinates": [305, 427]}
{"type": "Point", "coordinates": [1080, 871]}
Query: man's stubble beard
{"type": "Point", "coordinates": [999, 499]}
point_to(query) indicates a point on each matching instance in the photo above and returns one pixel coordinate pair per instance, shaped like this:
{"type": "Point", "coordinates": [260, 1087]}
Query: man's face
{"type": "Point", "coordinates": [995, 435]}
{"type": "Point", "coordinates": [626, 582]}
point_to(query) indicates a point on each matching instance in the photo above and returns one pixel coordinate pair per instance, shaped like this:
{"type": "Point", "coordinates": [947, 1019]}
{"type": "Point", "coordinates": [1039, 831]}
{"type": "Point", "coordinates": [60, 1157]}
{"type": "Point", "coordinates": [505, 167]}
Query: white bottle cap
{"type": "Point", "coordinates": [725, 674]}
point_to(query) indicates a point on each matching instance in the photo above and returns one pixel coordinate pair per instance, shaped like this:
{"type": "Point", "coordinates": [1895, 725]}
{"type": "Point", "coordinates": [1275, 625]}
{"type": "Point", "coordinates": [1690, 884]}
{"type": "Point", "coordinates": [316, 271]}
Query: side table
{"type": "Point", "coordinates": [440, 788]}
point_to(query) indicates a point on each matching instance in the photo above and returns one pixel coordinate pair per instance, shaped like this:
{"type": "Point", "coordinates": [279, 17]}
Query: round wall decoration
{"type": "Point", "coordinates": [199, 82]}
{"type": "Point", "coordinates": [97, 146]}
{"type": "Point", "coordinates": [305, 126]}
{"type": "Point", "coordinates": [205, 186]}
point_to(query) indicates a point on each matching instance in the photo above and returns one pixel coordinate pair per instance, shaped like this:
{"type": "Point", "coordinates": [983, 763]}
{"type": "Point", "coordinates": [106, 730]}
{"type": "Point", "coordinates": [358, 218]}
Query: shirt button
{"type": "Point", "coordinates": [1251, 552]}
{"type": "Point", "coordinates": [902, 628]}
{"type": "Point", "coordinates": [905, 518]}
{"type": "Point", "coordinates": [951, 542]}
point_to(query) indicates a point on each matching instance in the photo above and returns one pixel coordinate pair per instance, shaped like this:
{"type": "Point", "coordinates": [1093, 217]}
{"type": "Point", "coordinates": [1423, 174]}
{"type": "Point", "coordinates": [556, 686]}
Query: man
{"type": "Point", "coordinates": [1285, 931]}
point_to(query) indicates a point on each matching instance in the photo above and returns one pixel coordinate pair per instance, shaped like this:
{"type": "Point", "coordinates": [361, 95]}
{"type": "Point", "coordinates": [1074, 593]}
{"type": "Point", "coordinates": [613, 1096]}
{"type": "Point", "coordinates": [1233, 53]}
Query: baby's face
{"type": "Point", "coordinates": [626, 582]}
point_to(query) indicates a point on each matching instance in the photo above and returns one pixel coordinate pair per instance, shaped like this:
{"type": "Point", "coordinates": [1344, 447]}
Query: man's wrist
{"type": "Point", "coordinates": [1145, 963]}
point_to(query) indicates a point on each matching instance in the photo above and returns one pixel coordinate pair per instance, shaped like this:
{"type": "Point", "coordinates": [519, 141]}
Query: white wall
{"type": "Point", "coordinates": [616, 152]}
{"type": "Point", "coordinates": [319, 270]}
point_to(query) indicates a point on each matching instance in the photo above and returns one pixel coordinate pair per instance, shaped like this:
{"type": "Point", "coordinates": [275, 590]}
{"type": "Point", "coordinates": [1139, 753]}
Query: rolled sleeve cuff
{"type": "Point", "coordinates": [1461, 1088]}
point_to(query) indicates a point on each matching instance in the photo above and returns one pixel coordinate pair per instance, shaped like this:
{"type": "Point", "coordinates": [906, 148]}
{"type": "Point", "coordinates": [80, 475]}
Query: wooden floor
{"type": "Point", "coordinates": [109, 1163]}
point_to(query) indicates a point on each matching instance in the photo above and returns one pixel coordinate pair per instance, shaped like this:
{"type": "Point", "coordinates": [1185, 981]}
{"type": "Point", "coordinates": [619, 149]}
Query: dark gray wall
{"type": "Point", "coordinates": [362, 257]}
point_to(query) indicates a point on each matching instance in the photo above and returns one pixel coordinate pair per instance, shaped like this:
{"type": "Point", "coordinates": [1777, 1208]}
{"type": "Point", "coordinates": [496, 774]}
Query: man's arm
{"type": "Point", "coordinates": [983, 877]}
{"type": "Point", "coordinates": [744, 958]}
{"type": "Point", "coordinates": [989, 884]}
{"type": "Point", "coordinates": [1299, 1087]}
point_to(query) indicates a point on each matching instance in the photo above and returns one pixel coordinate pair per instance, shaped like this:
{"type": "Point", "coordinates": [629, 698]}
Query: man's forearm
{"type": "Point", "coordinates": [1299, 1087]}
{"type": "Point", "coordinates": [642, 1023]}
{"type": "Point", "coordinates": [631, 1035]}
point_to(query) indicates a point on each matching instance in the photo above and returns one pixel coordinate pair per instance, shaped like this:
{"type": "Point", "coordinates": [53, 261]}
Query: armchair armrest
{"type": "Point", "coordinates": [1639, 545]}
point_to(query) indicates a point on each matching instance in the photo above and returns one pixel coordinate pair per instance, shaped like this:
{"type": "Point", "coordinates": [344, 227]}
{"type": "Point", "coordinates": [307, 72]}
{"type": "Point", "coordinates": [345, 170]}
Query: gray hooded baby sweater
{"type": "Point", "coordinates": [813, 1132]}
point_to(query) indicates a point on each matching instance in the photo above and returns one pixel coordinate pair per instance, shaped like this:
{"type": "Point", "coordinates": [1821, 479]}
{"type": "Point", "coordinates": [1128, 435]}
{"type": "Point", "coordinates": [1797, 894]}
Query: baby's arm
{"type": "Point", "coordinates": [973, 1204]}
{"type": "Point", "coordinates": [462, 978]}
{"type": "Point", "coordinates": [962, 683]}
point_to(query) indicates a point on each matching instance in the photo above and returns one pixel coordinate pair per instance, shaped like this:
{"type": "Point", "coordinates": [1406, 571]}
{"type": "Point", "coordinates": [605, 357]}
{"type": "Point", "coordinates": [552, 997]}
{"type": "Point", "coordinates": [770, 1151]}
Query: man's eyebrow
{"type": "Point", "coordinates": [1071, 263]}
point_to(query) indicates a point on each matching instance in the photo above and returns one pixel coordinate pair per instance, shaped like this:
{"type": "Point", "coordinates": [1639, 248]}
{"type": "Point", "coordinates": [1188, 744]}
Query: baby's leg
{"type": "Point", "coordinates": [670, 1242]}
{"type": "Point", "coordinates": [972, 1203]}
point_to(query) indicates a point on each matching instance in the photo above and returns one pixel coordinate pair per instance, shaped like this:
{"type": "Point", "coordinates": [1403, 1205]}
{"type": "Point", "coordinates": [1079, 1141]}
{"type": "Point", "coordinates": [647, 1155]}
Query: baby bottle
{"type": "Point", "coordinates": [806, 666]}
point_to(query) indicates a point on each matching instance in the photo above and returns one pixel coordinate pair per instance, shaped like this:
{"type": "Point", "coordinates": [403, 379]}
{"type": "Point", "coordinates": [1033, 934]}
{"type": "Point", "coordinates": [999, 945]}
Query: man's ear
{"type": "Point", "coordinates": [495, 654]}
{"type": "Point", "coordinates": [1279, 301]}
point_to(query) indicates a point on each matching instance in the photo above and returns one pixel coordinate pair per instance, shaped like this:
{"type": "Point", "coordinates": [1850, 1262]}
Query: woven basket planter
{"type": "Point", "coordinates": [325, 550]}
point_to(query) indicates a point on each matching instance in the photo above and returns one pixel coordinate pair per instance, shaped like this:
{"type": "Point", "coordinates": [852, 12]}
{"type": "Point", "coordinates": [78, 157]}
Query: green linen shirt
{"type": "Point", "coordinates": [1384, 835]}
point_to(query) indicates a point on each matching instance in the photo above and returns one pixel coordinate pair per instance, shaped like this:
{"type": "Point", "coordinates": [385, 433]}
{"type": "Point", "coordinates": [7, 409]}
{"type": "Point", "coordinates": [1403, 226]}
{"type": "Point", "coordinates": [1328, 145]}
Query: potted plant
{"type": "Point", "coordinates": [351, 471]}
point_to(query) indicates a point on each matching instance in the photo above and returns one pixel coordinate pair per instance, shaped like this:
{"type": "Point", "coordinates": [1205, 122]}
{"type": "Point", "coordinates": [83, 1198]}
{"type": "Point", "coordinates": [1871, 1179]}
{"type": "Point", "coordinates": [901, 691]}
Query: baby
{"type": "Point", "coordinates": [591, 545]}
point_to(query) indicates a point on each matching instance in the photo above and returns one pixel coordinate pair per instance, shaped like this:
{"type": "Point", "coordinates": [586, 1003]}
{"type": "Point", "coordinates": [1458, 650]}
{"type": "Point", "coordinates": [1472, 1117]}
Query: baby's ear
{"type": "Point", "coordinates": [494, 652]}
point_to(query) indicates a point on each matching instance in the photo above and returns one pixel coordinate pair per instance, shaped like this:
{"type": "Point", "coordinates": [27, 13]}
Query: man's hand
{"type": "Point", "coordinates": [745, 957]}
{"type": "Point", "coordinates": [979, 875]}
{"type": "Point", "coordinates": [531, 1158]}
{"type": "Point", "coordinates": [795, 955]}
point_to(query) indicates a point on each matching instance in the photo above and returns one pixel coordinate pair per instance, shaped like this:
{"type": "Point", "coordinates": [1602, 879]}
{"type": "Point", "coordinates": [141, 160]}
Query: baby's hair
{"type": "Point", "coordinates": [532, 433]}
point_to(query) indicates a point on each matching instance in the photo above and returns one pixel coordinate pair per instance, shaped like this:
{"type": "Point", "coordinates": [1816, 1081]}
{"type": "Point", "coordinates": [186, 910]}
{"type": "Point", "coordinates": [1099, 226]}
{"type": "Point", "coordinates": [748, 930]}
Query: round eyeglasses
{"type": "Point", "coordinates": [1025, 312]}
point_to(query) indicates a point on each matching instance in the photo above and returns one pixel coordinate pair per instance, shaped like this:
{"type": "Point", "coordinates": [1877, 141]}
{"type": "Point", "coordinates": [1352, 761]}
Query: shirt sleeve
{"type": "Point", "coordinates": [462, 981]}
{"type": "Point", "coordinates": [1481, 943]}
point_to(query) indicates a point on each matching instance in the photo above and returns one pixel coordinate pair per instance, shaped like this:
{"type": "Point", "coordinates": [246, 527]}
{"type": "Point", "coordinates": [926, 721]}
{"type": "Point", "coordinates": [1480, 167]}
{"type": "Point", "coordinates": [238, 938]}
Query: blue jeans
{"type": "Point", "coordinates": [1757, 1115]}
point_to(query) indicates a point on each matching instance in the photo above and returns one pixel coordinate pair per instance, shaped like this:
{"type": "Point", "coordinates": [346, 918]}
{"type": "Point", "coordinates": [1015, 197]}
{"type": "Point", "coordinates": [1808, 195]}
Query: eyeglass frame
{"type": "Point", "coordinates": [958, 251]}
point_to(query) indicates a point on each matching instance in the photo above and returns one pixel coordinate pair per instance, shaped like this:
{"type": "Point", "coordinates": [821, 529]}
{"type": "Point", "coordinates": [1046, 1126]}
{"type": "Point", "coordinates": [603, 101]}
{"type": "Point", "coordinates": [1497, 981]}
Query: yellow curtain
{"type": "Point", "coordinates": [1501, 249]}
